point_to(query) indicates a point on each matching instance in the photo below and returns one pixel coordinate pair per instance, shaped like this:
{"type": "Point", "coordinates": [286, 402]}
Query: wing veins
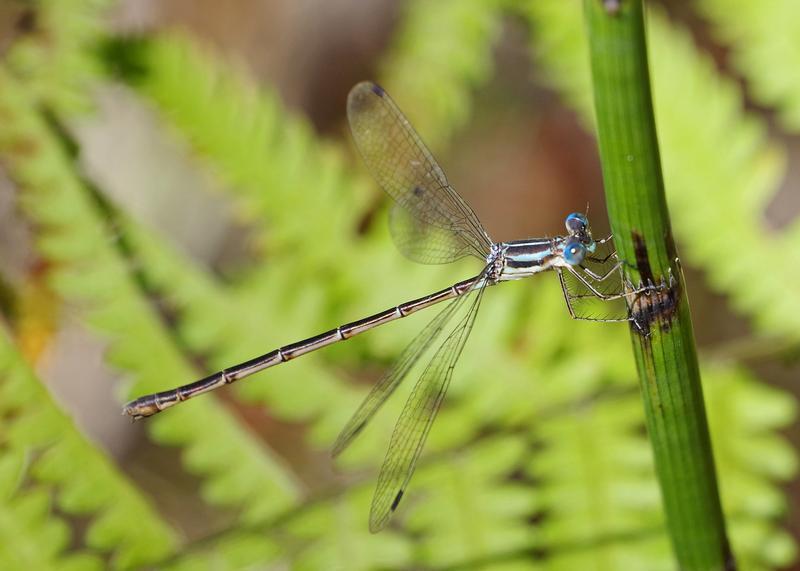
{"type": "Point", "coordinates": [389, 382]}
{"type": "Point", "coordinates": [411, 430]}
{"type": "Point", "coordinates": [403, 165]}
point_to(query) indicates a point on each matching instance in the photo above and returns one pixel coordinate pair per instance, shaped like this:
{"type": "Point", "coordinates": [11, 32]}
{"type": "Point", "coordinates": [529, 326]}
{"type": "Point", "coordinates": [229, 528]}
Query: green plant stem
{"type": "Point", "coordinates": [663, 341]}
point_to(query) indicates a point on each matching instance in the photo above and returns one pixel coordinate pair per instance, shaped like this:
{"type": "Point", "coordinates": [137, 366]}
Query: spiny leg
{"type": "Point", "coordinates": [573, 315]}
{"type": "Point", "coordinates": [602, 260]}
{"type": "Point", "coordinates": [610, 255]}
{"type": "Point", "coordinates": [599, 278]}
{"type": "Point", "coordinates": [606, 239]}
{"type": "Point", "coordinates": [600, 295]}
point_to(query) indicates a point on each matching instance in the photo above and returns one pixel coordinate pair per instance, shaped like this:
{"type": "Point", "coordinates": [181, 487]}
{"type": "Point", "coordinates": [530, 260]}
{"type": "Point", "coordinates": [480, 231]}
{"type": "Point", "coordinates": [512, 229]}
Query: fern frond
{"type": "Point", "coordinates": [45, 455]}
{"type": "Point", "coordinates": [271, 163]}
{"type": "Point", "coordinates": [238, 470]}
{"type": "Point", "coordinates": [594, 491]}
{"type": "Point", "coordinates": [31, 536]}
{"type": "Point", "coordinates": [720, 170]}
{"type": "Point", "coordinates": [470, 509]}
{"type": "Point", "coordinates": [745, 417]}
{"type": "Point", "coordinates": [347, 543]}
{"type": "Point", "coordinates": [55, 57]}
{"type": "Point", "coordinates": [440, 54]}
{"type": "Point", "coordinates": [243, 551]}
{"type": "Point", "coordinates": [760, 36]}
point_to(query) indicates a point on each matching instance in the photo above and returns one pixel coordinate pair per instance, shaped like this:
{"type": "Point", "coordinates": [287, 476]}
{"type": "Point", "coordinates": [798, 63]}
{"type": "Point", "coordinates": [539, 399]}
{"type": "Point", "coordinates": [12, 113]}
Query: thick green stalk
{"type": "Point", "coordinates": [663, 341]}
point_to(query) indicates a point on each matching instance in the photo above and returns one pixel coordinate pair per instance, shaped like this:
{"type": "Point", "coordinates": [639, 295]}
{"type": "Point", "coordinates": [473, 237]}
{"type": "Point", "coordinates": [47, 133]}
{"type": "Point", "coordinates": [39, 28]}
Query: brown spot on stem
{"type": "Point", "coordinates": [658, 305]}
{"type": "Point", "coordinates": [642, 259]}
{"type": "Point", "coordinates": [730, 560]}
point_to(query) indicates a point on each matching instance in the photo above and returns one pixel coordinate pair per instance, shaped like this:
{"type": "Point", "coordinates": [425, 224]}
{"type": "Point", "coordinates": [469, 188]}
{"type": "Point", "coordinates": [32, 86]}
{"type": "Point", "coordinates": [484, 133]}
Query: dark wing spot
{"type": "Point", "coordinates": [418, 191]}
{"type": "Point", "coordinates": [397, 500]}
{"type": "Point", "coordinates": [378, 90]}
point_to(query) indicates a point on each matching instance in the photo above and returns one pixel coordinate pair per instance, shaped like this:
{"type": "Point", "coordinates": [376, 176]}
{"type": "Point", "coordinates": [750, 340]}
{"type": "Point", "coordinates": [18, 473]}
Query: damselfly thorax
{"type": "Point", "coordinates": [524, 258]}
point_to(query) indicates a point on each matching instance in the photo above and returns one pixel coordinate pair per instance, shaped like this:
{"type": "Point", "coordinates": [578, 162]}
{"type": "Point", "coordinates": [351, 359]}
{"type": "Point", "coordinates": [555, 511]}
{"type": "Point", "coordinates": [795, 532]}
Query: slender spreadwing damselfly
{"type": "Point", "coordinates": [430, 224]}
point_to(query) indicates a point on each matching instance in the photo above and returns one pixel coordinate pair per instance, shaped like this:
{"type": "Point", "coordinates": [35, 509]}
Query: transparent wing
{"type": "Point", "coordinates": [384, 388]}
{"type": "Point", "coordinates": [417, 417]}
{"type": "Point", "coordinates": [425, 243]}
{"type": "Point", "coordinates": [433, 223]}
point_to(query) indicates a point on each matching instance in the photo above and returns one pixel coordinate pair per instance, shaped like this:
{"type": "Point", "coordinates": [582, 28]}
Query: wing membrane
{"type": "Point", "coordinates": [384, 388]}
{"type": "Point", "coordinates": [417, 418]}
{"type": "Point", "coordinates": [434, 224]}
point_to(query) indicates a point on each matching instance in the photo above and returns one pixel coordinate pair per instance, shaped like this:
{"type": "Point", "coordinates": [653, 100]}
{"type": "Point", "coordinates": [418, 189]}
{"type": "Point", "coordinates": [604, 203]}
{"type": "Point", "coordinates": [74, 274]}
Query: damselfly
{"type": "Point", "coordinates": [431, 224]}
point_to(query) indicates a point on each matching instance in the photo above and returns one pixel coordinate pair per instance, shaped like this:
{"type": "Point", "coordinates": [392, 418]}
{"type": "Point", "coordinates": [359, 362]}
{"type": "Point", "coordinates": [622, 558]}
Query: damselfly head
{"type": "Point", "coordinates": [573, 251]}
{"type": "Point", "coordinates": [578, 227]}
{"type": "Point", "coordinates": [576, 223]}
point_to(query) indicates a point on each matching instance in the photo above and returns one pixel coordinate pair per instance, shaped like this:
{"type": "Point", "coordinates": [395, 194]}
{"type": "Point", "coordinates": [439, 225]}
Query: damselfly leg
{"type": "Point", "coordinates": [596, 290]}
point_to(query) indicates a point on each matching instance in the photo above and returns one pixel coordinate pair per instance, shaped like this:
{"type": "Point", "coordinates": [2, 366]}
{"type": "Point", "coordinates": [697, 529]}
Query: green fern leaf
{"type": "Point", "coordinates": [744, 418]}
{"type": "Point", "coordinates": [469, 508]}
{"type": "Point", "coordinates": [241, 551]}
{"type": "Point", "coordinates": [763, 52]}
{"type": "Point", "coordinates": [239, 470]}
{"type": "Point", "coordinates": [31, 537]}
{"type": "Point", "coordinates": [55, 57]}
{"type": "Point", "coordinates": [46, 452]}
{"type": "Point", "coordinates": [597, 493]}
{"type": "Point", "coordinates": [441, 52]}
{"type": "Point", "coordinates": [273, 165]}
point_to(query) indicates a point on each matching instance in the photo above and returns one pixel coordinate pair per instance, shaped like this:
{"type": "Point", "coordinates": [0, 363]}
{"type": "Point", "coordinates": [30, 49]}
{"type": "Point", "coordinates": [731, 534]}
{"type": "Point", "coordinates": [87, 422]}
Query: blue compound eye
{"type": "Point", "coordinates": [574, 252]}
{"type": "Point", "coordinates": [576, 223]}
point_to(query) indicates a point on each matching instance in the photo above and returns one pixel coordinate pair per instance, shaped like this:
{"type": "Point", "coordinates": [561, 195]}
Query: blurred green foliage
{"type": "Point", "coordinates": [538, 461]}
